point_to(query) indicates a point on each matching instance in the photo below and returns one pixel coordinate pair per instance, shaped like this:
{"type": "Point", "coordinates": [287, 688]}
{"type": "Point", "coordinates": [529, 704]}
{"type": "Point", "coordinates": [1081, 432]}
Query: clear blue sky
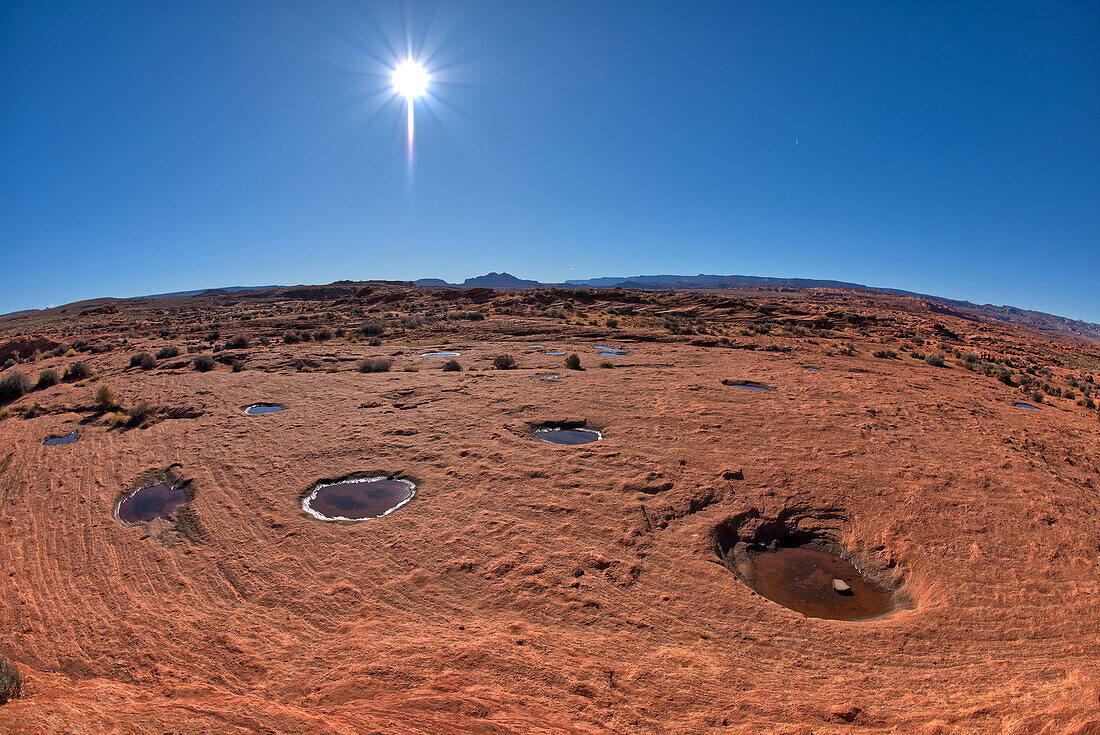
{"type": "Point", "coordinates": [951, 147]}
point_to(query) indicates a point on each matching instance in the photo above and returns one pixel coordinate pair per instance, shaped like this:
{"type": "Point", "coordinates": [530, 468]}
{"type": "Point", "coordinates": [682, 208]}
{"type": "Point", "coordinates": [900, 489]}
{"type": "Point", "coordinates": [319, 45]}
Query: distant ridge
{"type": "Point", "coordinates": [498, 280]}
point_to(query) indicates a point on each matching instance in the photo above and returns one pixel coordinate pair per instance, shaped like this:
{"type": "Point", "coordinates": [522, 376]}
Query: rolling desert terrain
{"type": "Point", "coordinates": [528, 587]}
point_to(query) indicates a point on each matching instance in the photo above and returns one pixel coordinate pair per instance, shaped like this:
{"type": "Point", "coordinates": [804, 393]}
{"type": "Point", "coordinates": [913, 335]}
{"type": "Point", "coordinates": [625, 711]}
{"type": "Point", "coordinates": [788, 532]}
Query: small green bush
{"type": "Point", "coordinates": [47, 378]}
{"type": "Point", "coordinates": [606, 364]}
{"type": "Point", "coordinates": [372, 329]}
{"type": "Point", "coordinates": [170, 351]}
{"type": "Point", "coordinates": [935, 360]}
{"type": "Point", "coordinates": [105, 398]}
{"type": "Point", "coordinates": [203, 363]}
{"type": "Point", "coordinates": [238, 341]}
{"type": "Point", "coordinates": [77, 371]}
{"type": "Point", "coordinates": [452, 366]}
{"type": "Point", "coordinates": [11, 684]}
{"type": "Point", "coordinates": [573, 362]}
{"type": "Point", "coordinates": [504, 362]}
{"type": "Point", "coordinates": [143, 360]}
{"type": "Point", "coordinates": [14, 385]}
{"type": "Point", "coordinates": [138, 414]}
{"type": "Point", "coordinates": [374, 365]}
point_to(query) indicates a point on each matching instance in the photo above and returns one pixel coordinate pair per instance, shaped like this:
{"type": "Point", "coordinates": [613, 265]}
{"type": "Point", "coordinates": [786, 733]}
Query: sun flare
{"type": "Point", "coordinates": [410, 79]}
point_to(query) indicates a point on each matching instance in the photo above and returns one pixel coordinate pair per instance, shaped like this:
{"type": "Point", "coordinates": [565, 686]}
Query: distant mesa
{"type": "Point", "coordinates": [498, 280]}
{"type": "Point", "coordinates": [430, 282]}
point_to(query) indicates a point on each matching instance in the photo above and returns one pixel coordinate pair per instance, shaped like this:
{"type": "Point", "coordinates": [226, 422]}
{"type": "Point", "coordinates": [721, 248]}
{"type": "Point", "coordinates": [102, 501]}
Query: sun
{"type": "Point", "coordinates": [410, 79]}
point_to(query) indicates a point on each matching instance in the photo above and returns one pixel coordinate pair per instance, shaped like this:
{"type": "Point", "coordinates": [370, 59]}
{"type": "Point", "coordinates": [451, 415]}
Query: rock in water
{"type": "Point", "coordinates": [842, 587]}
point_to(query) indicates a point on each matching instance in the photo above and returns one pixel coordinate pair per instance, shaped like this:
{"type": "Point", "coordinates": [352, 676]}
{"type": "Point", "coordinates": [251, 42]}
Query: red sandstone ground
{"type": "Point", "coordinates": [530, 588]}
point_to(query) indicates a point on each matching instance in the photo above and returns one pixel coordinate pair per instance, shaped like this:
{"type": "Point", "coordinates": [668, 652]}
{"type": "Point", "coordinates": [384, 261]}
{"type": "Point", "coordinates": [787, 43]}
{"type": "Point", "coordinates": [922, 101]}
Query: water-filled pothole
{"type": "Point", "coordinates": [804, 571]}
{"type": "Point", "coordinates": [358, 499]}
{"type": "Point", "coordinates": [567, 436]}
{"type": "Point", "coordinates": [555, 352]}
{"type": "Point", "coordinates": [259, 408]}
{"type": "Point", "coordinates": [747, 384]}
{"type": "Point", "coordinates": [440, 354]}
{"type": "Point", "coordinates": [1026, 405]}
{"type": "Point", "coordinates": [615, 354]}
{"type": "Point", "coordinates": [67, 439]}
{"type": "Point", "coordinates": [149, 503]}
{"type": "Point", "coordinates": [550, 376]}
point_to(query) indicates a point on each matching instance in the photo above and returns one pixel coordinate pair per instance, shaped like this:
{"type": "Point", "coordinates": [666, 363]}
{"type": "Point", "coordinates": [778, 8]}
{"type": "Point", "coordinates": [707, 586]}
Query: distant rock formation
{"type": "Point", "coordinates": [498, 280]}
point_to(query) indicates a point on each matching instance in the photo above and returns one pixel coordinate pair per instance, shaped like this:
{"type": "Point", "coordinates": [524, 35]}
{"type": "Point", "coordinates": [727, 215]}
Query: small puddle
{"type": "Point", "coordinates": [258, 408]}
{"type": "Point", "coordinates": [440, 354]}
{"type": "Point", "coordinates": [555, 352]}
{"type": "Point", "coordinates": [613, 349]}
{"type": "Point", "coordinates": [551, 376]}
{"type": "Point", "coordinates": [360, 499]}
{"type": "Point", "coordinates": [746, 385]}
{"type": "Point", "coordinates": [67, 439]}
{"type": "Point", "coordinates": [149, 503]}
{"type": "Point", "coordinates": [614, 354]}
{"type": "Point", "coordinates": [816, 583]}
{"type": "Point", "coordinates": [807, 367]}
{"type": "Point", "coordinates": [568, 437]}
{"type": "Point", "coordinates": [1026, 405]}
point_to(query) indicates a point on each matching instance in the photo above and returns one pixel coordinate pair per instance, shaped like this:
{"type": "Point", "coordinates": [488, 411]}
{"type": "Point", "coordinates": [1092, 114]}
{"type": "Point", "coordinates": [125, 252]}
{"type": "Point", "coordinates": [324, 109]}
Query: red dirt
{"type": "Point", "coordinates": [530, 588]}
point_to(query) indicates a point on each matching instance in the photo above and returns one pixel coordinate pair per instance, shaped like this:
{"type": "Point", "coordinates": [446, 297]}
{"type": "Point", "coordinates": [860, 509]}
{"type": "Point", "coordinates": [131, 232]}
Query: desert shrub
{"type": "Point", "coordinates": [1004, 375]}
{"type": "Point", "coordinates": [77, 371]}
{"type": "Point", "coordinates": [303, 368]}
{"type": "Point", "coordinates": [170, 351]}
{"type": "Point", "coordinates": [238, 366]}
{"type": "Point", "coordinates": [1036, 396]}
{"type": "Point", "coordinates": [411, 322]}
{"type": "Point", "coordinates": [292, 337]}
{"type": "Point", "coordinates": [410, 369]}
{"type": "Point", "coordinates": [203, 363]}
{"type": "Point", "coordinates": [14, 385]}
{"type": "Point", "coordinates": [9, 363]}
{"type": "Point", "coordinates": [332, 369]}
{"type": "Point", "coordinates": [606, 364]}
{"type": "Point", "coordinates": [213, 336]}
{"type": "Point", "coordinates": [323, 334]}
{"type": "Point", "coordinates": [238, 341]}
{"type": "Point", "coordinates": [583, 295]}
{"type": "Point", "coordinates": [451, 366]}
{"type": "Point", "coordinates": [47, 378]}
{"type": "Point", "coordinates": [886, 354]}
{"type": "Point", "coordinates": [612, 322]}
{"type": "Point", "coordinates": [1067, 393]}
{"type": "Point", "coordinates": [374, 365]}
{"type": "Point", "coordinates": [916, 355]}
{"type": "Point", "coordinates": [371, 329]}
{"type": "Point", "coordinates": [118, 418]}
{"type": "Point", "coordinates": [504, 362]}
{"type": "Point", "coordinates": [447, 341]}
{"type": "Point", "coordinates": [935, 360]}
{"type": "Point", "coordinates": [105, 398]}
{"type": "Point", "coordinates": [11, 684]}
{"type": "Point", "coordinates": [138, 414]}
{"type": "Point", "coordinates": [573, 362]}
{"type": "Point", "coordinates": [143, 360]}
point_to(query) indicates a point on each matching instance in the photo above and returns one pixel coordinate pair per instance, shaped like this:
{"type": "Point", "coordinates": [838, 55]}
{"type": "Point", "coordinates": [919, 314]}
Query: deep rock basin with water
{"type": "Point", "coordinates": [150, 503]}
{"type": "Point", "coordinates": [814, 582]}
